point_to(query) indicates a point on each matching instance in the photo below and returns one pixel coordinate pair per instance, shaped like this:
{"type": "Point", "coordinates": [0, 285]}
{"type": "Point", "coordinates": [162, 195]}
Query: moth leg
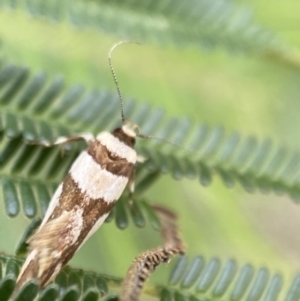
{"type": "Point", "coordinates": [131, 180]}
{"type": "Point", "coordinates": [144, 264]}
{"type": "Point", "coordinates": [87, 137]}
{"type": "Point", "coordinates": [131, 186]}
{"type": "Point", "coordinates": [141, 159]}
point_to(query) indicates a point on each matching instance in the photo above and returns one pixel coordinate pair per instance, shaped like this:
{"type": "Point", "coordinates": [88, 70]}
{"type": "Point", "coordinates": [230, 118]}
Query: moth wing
{"type": "Point", "coordinates": [46, 246]}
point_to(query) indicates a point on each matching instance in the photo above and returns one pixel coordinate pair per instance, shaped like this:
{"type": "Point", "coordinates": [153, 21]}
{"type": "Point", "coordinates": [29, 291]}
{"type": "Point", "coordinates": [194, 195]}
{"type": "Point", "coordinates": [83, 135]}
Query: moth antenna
{"type": "Point", "coordinates": [114, 74]}
{"type": "Point", "coordinates": [164, 140]}
{"type": "Point", "coordinates": [121, 98]}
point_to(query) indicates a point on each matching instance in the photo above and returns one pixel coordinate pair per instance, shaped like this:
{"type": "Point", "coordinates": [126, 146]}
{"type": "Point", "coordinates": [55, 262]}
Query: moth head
{"type": "Point", "coordinates": [130, 129]}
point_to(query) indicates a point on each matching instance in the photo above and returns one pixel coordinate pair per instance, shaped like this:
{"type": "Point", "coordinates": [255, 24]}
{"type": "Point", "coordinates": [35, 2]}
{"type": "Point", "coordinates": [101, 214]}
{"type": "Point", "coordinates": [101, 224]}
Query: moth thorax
{"type": "Point", "coordinates": [126, 134]}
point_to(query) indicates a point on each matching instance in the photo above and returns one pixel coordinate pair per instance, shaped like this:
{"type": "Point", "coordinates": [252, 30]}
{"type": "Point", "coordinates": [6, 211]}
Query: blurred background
{"type": "Point", "coordinates": [255, 95]}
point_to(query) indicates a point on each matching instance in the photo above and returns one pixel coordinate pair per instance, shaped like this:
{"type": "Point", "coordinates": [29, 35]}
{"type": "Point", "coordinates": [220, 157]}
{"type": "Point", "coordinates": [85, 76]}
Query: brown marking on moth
{"type": "Point", "coordinates": [59, 238]}
{"type": "Point", "coordinates": [72, 198]}
{"type": "Point", "coordinates": [108, 160]}
{"type": "Point", "coordinates": [123, 137]}
{"type": "Point", "coordinates": [43, 243]}
{"type": "Point", "coordinates": [51, 241]}
{"type": "Point", "coordinates": [72, 219]}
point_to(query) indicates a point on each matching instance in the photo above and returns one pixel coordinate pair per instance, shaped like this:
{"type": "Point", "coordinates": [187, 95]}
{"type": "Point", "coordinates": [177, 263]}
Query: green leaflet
{"type": "Point", "coordinates": [203, 23]}
{"type": "Point", "coordinates": [71, 284]}
{"type": "Point", "coordinates": [196, 279]}
{"type": "Point", "coordinates": [211, 280]}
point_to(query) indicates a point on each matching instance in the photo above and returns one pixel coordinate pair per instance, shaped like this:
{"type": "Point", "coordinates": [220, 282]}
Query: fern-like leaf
{"type": "Point", "coordinates": [196, 280]}
{"type": "Point", "coordinates": [70, 284]}
{"type": "Point", "coordinates": [41, 110]}
{"type": "Point", "coordinates": [195, 22]}
{"type": "Point", "coordinates": [201, 280]}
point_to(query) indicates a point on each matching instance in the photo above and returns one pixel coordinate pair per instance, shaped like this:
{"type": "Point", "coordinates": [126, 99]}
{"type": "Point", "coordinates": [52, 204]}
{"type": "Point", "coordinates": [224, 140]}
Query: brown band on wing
{"type": "Point", "coordinates": [108, 160]}
{"type": "Point", "coordinates": [56, 234]}
{"type": "Point", "coordinates": [72, 197]}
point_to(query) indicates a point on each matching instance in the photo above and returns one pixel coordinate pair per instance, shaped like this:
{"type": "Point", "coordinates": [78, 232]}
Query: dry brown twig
{"type": "Point", "coordinates": [144, 264]}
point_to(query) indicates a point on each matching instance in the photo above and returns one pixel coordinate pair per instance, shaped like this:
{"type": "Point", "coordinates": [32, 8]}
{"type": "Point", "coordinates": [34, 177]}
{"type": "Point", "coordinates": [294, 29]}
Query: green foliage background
{"type": "Point", "coordinates": [255, 94]}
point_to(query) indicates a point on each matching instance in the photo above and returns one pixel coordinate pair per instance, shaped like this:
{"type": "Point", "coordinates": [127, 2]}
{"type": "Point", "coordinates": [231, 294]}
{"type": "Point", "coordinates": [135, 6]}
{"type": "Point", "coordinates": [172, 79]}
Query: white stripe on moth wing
{"type": "Point", "coordinates": [94, 228]}
{"type": "Point", "coordinates": [75, 224]}
{"type": "Point", "coordinates": [55, 272]}
{"type": "Point", "coordinates": [117, 147]}
{"type": "Point", "coordinates": [95, 182]}
{"type": "Point", "coordinates": [53, 204]}
{"type": "Point", "coordinates": [29, 258]}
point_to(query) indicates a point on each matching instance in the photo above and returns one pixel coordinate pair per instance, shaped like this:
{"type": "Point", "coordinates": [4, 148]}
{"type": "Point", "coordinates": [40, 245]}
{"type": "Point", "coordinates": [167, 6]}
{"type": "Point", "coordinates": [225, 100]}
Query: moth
{"type": "Point", "coordinates": [83, 200]}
